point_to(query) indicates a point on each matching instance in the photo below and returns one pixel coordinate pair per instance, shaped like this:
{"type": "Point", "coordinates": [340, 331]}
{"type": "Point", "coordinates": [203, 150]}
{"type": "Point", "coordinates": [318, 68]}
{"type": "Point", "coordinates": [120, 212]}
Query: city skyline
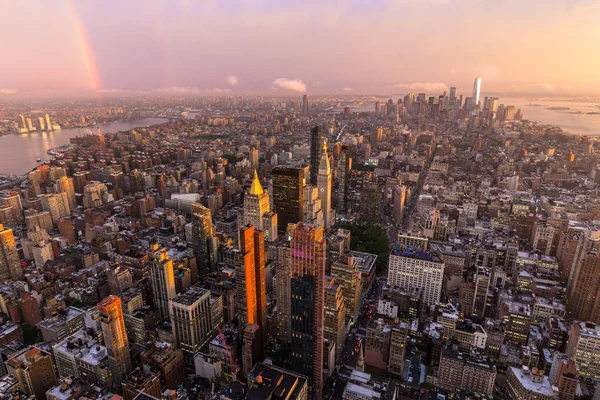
{"type": "Point", "coordinates": [263, 47]}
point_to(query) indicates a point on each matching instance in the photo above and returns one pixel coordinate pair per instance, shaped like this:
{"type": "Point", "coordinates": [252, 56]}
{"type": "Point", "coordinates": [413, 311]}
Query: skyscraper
{"type": "Point", "coordinates": [14, 200]}
{"type": "Point", "coordinates": [288, 190]}
{"type": "Point", "coordinates": [316, 140]}
{"type": "Point", "coordinates": [452, 99]}
{"type": "Point", "coordinates": [308, 255]}
{"type": "Point", "coordinates": [410, 269]}
{"type": "Point", "coordinates": [48, 123]}
{"type": "Point", "coordinates": [65, 185]}
{"type": "Point", "coordinates": [283, 294]}
{"type": "Point", "coordinates": [162, 279]}
{"type": "Point", "coordinates": [324, 186]}
{"type": "Point", "coordinates": [257, 210]}
{"type": "Point", "coordinates": [476, 90]}
{"type": "Point", "coordinates": [204, 241]}
{"type": "Point", "coordinates": [10, 264]}
{"type": "Point", "coordinates": [305, 104]}
{"type": "Point", "coordinates": [584, 290]}
{"type": "Point", "coordinates": [115, 338]}
{"type": "Point", "coordinates": [251, 292]}
{"type": "Point", "coordinates": [346, 273]}
{"type": "Point", "coordinates": [344, 167]}
{"type": "Point", "coordinates": [191, 321]}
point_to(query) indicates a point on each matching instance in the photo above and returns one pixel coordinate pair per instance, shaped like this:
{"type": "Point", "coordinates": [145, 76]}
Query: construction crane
{"type": "Point", "coordinates": [234, 367]}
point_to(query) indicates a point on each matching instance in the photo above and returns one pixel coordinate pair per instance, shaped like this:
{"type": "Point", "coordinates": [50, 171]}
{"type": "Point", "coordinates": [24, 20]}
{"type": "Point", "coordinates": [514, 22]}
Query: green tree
{"type": "Point", "coordinates": [369, 237]}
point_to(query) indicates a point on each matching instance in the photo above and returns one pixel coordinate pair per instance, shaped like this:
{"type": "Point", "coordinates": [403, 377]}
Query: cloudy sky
{"type": "Point", "coordinates": [288, 46]}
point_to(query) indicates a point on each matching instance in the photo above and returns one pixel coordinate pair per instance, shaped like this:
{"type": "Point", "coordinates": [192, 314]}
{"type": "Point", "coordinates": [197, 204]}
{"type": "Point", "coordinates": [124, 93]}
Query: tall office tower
{"type": "Point", "coordinates": [254, 158]}
{"type": "Point", "coordinates": [191, 322]}
{"type": "Point", "coordinates": [29, 124]}
{"type": "Point", "coordinates": [584, 346]}
{"type": "Point", "coordinates": [65, 185]}
{"type": "Point", "coordinates": [115, 338]}
{"type": "Point", "coordinates": [476, 90]}
{"type": "Point", "coordinates": [41, 123]}
{"type": "Point", "coordinates": [346, 273]}
{"type": "Point", "coordinates": [312, 210]}
{"type": "Point", "coordinates": [324, 186]}
{"type": "Point", "coordinates": [14, 200]}
{"type": "Point", "coordinates": [335, 313]}
{"type": "Point", "coordinates": [308, 255]}
{"type": "Point", "coordinates": [344, 167]}
{"type": "Point", "coordinates": [376, 137]}
{"type": "Point", "coordinates": [48, 123]}
{"type": "Point", "coordinates": [162, 279]}
{"type": "Point", "coordinates": [10, 264]}
{"type": "Point", "coordinates": [305, 104]}
{"type": "Point", "coordinates": [257, 210]}
{"type": "Point", "coordinates": [452, 99]}
{"type": "Point", "coordinates": [251, 293]}
{"type": "Point", "coordinates": [482, 284]}
{"type": "Point", "coordinates": [584, 290]}
{"type": "Point", "coordinates": [204, 240]}
{"type": "Point", "coordinates": [80, 180]}
{"type": "Point", "coordinates": [377, 108]}
{"type": "Point", "coordinates": [288, 191]}
{"type": "Point", "coordinates": [22, 124]}
{"type": "Point", "coordinates": [57, 204]}
{"type": "Point", "coordinates": [316, 146]}
{"type": "Point", "coordinates": [283, 294]}
{"type": "Point", "coordinates": [410, 269]}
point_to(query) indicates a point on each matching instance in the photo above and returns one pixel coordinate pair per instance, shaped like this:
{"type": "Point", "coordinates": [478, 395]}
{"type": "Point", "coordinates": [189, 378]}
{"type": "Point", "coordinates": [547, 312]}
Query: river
{"type": "Point", "coordinates": [19, 152]}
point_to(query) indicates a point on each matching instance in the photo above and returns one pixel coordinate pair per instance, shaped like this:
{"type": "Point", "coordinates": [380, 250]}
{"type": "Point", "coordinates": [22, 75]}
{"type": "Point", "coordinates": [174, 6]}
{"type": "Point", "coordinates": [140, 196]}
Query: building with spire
{"type": "Point", "coordinates": [257, 210]}
{"type": "Point", "coordinates": [324, 186]}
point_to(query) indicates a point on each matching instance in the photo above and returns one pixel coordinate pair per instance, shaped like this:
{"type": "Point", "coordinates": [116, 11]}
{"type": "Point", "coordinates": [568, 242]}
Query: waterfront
{"type": "Point", "coordinates": [19, 152]}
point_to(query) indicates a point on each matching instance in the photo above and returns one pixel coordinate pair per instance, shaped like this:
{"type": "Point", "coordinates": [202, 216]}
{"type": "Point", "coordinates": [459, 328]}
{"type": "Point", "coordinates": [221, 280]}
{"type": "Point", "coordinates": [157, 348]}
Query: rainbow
{"type": "Point", "coordinates": [85, 49]}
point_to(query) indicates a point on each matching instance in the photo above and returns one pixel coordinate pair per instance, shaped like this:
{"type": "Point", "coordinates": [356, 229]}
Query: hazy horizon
{"type": "Point", "coordinates": [252, 47]}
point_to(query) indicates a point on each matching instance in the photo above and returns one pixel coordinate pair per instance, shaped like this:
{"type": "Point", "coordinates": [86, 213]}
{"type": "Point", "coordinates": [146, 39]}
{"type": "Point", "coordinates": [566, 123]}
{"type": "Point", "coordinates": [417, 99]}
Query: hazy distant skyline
{"type": "Point", "coordinates": [284, 47]}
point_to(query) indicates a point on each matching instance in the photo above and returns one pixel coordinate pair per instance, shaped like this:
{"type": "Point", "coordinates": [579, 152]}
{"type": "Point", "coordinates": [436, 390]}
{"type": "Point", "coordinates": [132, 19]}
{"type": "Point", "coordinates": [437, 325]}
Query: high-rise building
{"type": "Point", "coordinates": [308, 256]}
{"type": "Point", "coordinates": [253, 158]}
{"type": "Point", "coordinates": [10, 264]}
{"type": "Point", "coordinates": [65, 184]}
{"type": "Point", "coordinates": [251, 292]}
{"type": "Point", "coordinates": [257, 210]}
{"type": "Point", "coordinates": [476, 90]}
{"type": "Point", "coordinates": [482, 284]}
{"type": "Point", "coordinates": [346, 273]}
{"type": "Point", "coordinates": [115, 338]}
{"type": "Point", "coordinates": [34, 370]}
{"type": "Point", "coordinates": [312, 211]}
{"type": "Point", "coordinates": [335, 313]}
{"type": "Point", "coordinates": [162, 279]}
{"type": "Point", "coordinates": [324, 186]}
{"type": "Point", "coordinates": [48, 123]}
{"type": "Point", "coordinates": [316, 145]}
{"type": "Point", "coordinates": [191, 321]}
{"type": "Point", "coordinates": [283, 294]}
{"type": "Point", "coordinates": [288, 191]}
{"type": "Point", "coordinates": [410, 269]}
{"type": "Point", "coordinates": [305, 104]}
{"type": "Point", "coordinates": [584, 289]}
{"type": "Point", "coordinates": [452, 99]}
{"type": "Point", "coordinates": [344, 167]}
{"type": "Point", "coordinates": [14, 201]}
{"type": "Point", "coordinates": [204, 240]}
{"type": "Point", "coordinates": [57, 204]}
